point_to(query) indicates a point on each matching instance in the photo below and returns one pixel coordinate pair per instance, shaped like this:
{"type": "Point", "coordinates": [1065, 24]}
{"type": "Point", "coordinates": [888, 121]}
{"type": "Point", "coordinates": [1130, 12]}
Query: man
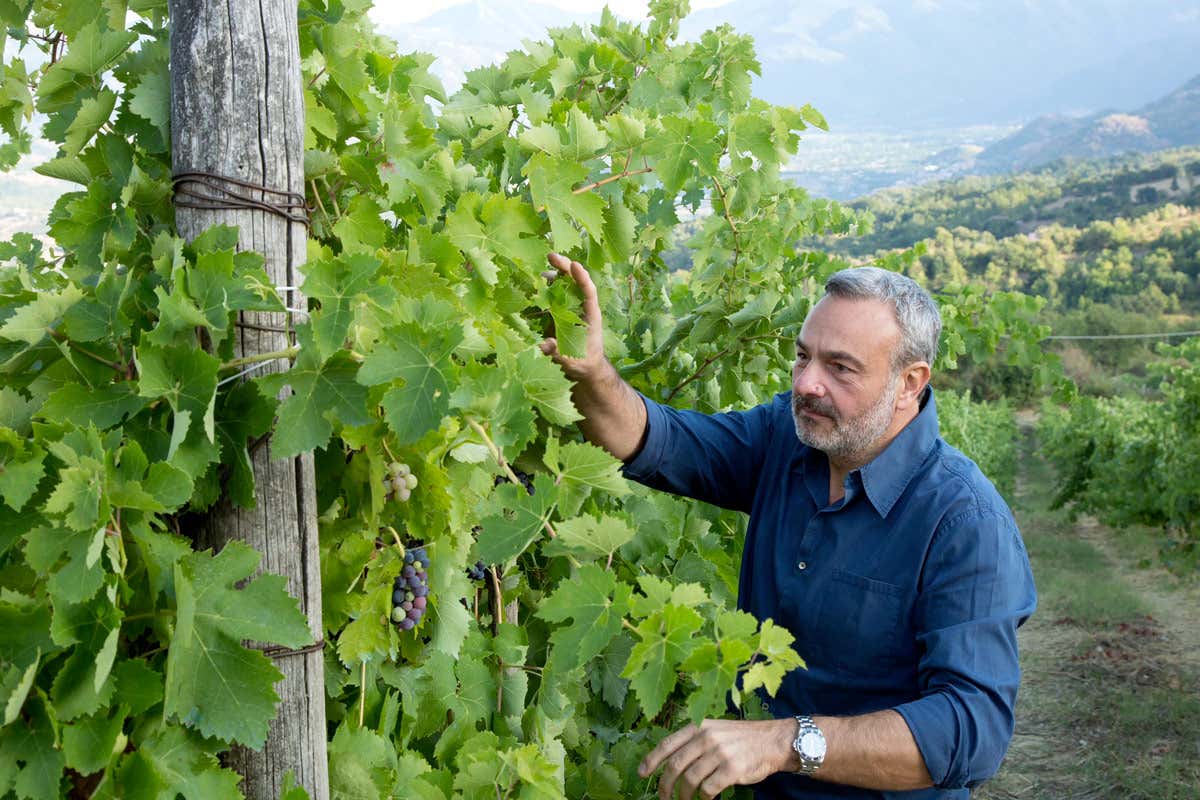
{"type": "Point", "coordinates": [887, 554]}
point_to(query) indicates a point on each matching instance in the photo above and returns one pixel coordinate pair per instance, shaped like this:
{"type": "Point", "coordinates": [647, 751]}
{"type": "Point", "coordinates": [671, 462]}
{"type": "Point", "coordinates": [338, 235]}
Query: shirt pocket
{"type": "Point", "coordinates": [859, 624]}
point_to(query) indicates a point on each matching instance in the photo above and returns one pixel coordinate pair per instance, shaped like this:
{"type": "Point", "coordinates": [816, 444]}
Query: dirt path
{"type": "Point", "coordinates": [1110, 663]}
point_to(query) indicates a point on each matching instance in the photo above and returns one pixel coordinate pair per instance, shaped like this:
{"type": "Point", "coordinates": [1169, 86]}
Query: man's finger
{"type": "Point", "coordinates": [559, 262]}
{"type": "Point", "coordinates": [680, 765]}
{"type": "Point", "coordinates": [697, 774]}
{"type": "Point", "coordinates": [665, 748]}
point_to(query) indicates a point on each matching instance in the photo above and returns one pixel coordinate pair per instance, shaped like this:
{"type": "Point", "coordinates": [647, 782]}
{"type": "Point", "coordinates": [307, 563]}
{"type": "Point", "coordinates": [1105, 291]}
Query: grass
{"type": "Point", "coordinates": [1110, 703]}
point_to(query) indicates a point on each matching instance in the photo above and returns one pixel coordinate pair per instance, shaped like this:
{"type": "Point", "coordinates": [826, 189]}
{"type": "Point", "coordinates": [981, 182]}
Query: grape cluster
{"type": "Point", "coordinates": [524, 477]}
{"type": "Point", "coordinates": [410, 589]}
{"type": "Point", "coordinates": [478, 571]}
{"type": "Point", "coordinates": [400, 482]}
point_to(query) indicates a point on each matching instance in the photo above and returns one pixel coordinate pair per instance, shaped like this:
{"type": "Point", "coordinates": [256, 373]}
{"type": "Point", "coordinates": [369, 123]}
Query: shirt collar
{"type": "Point", "coordinates": [887, 475]}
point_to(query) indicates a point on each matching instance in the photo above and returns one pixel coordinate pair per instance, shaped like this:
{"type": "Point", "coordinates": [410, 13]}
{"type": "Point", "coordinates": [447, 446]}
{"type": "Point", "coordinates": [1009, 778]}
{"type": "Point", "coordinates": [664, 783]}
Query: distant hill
{"type": "Point", "coordinates": [1171, 121]}
{"type": "Point", "coordinates": [1069, 194]}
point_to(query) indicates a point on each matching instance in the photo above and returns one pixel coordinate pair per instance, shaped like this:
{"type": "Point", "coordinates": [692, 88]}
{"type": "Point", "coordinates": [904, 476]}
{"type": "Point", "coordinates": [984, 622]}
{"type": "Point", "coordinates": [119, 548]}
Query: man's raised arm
{"type": "Point", "coordinates": [614, 416]}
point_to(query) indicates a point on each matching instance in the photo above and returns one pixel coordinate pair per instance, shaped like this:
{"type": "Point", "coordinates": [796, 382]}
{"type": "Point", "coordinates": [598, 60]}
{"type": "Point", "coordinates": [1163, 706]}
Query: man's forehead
{"type": "Point", "coordinates": [860, 328]}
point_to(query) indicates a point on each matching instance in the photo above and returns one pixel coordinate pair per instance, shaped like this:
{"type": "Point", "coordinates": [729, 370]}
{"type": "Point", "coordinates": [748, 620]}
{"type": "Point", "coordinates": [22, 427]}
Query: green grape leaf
{"type": "Point", "coordinates": [66, 168]}
{"type": "Point", "coordinates": [14, 689]}
{"type": "Point", "coordinates": [546, 387]}
{"type": "Point", "coordinates": [596, 604]}
{"type": "Point", "coordinates": [583, 137]}
{"type": "Point", "coordinates": [361, 228]}
{"type": "Point", "coordinates": [589, 537]}
{"type": "Point", "coordinates": [581, 467]}
{"type": "Point", "coordinates": [92, 50]}
{"type": "Point", "coordinates": [498, 227]}
{"type": "Point", "coordinates": [103, 406]}
{"type": "Point", "coordinates": [322, 392]}
{"type": "Point", "coordinates": [21, 468]}
{"type": "Point", "coordinates": [508, 532]}
{"type": "Point", "coordinates": [93, 113]}
{"type": "Point", "coordinates": [336, 283]}
{"type": "Point", "coordinates": [30, 764]}
{"type": "Point", "coordinates": [151, 99]}
{"type": "Point", "coordinates": [139, 686]}
{"type": "Point", "coordinates": [30, 322]}
{"type": "Point", "coordinates": [421, 360]}
{"type": "Point", "coordinates": [667, 638]}
{"type": "Point", "coordinates": [214, 683]}
{"type": "Point", "coordinates": [687, 145]}
{"type": "Point", "coordinates": [362, 765]}
{"type": "Point", "coordinates": [552, 183]}
{"type": "Point", "coordinates": [175, 761]}
{"type": "Point", "coordinates": [88, 742]}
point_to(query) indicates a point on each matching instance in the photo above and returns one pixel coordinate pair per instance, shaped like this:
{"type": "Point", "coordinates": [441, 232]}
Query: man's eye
{"type": "Point", "coordinates": [841, 368]}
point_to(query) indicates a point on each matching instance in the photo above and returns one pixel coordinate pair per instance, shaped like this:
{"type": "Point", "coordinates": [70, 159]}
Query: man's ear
{"type": "Point", "coordinates": [913, 380]}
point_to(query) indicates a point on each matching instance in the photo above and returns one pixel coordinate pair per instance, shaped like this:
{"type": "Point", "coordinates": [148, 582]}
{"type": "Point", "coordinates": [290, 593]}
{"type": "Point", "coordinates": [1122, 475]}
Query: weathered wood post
{"type": "Point", "coordinates": [237, 115]}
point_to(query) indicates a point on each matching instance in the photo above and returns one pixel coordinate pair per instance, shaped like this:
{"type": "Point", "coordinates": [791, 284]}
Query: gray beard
{"type": "Point", "coordinates": [846, 437]}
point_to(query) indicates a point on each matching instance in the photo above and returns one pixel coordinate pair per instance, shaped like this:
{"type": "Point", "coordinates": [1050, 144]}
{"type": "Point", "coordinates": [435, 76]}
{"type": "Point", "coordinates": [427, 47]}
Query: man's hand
{"type": "Point", "coordinates": [706, 760]}
{"type": "Point", "coordinates": [593, 360]}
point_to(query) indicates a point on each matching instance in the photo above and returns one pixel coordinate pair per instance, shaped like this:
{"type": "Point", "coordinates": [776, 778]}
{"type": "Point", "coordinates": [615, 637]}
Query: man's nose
{"type": "Point", "coordinates": [806, 381]}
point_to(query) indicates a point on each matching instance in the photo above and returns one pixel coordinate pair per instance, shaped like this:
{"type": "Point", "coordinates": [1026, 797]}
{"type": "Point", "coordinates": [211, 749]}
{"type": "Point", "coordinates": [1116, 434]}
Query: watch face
{"type": "Point", "coordinates": [812, 745]}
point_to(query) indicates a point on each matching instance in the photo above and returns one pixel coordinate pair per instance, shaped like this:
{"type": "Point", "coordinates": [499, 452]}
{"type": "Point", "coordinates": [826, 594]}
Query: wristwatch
{"type": "Point", "coordinates": [809, 745]}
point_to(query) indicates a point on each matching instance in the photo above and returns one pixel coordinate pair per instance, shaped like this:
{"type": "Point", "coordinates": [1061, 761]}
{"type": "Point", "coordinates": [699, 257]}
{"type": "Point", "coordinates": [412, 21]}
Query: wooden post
{"type": "Point", "coordinates": [237, 111]}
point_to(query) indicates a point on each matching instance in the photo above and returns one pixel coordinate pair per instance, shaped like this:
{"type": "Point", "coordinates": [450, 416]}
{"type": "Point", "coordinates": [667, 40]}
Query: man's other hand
{"type": "Point", "coordinates": [703, 761]}
{"type": "Point", "coordinates": [593, 360]}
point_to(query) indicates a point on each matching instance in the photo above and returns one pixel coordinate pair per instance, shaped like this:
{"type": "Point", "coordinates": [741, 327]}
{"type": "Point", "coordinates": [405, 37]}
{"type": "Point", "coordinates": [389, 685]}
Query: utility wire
{"type": "Point", "coordinates": [1125, 336]}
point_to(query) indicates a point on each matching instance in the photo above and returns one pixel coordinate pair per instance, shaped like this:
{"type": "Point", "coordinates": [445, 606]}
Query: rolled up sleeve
{"type": "Point", "coordinates": [716, 458]}
{"type": "Point", "coordinates": [977, 588]}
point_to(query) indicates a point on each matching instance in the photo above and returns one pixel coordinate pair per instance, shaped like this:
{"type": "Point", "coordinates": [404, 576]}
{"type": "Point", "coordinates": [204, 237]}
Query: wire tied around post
{"type": "Point", "coordinates": [211, 192]}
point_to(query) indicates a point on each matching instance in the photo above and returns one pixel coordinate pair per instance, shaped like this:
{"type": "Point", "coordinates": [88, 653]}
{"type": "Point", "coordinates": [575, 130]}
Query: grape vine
{"type": "Point", "coordinates": [125, 668]}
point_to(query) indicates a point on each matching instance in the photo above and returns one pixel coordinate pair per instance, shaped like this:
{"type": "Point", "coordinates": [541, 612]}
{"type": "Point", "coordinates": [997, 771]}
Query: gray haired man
{"type": "Point", "coordinates": [889, 556]}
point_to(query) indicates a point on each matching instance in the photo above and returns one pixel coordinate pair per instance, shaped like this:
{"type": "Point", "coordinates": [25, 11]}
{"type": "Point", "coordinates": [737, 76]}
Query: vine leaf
{"type": "Point", "coordinates": [214, 683]}
{"type": "Point", "coordinates": [590, 537]}
{"type": "Point", "coordinates": [322, 391]}
{"type": "Point", "coordinates": [420, 361]}
{"type": "Point", "coordinates": [175, 761]}
{"type": "Point", "coordinates": [667, 639]}
{"type": "Point", "coordinates": [596, 604]}
{"type": "Point", "coordinates": [552, 182]}
{"type": "Point", "coordinates": [509, 531]}
{"type": "Point", "coordinates": [581, 467]}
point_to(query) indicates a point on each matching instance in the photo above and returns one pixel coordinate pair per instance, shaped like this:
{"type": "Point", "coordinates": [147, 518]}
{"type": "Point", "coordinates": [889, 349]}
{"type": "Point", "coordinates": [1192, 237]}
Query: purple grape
{"type": "Point", "coordinates": [408, 571]}
{"type": "Point", "coordinates": [397, 597]}
{"type": "Point", "coordinates": [421, 591]}
{"type": "Point", "coordinates": [415, 582]}
{"type": "Point", "coordinates": [418, 603]}
{"type": "Point", "coordinates": [407, 625]}
{"type": "Point", "coordinates": [416, 614]}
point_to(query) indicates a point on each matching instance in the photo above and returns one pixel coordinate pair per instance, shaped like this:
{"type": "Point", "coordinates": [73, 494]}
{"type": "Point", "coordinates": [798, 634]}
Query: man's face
{"type": "Point", "coordinates": [843, 385]}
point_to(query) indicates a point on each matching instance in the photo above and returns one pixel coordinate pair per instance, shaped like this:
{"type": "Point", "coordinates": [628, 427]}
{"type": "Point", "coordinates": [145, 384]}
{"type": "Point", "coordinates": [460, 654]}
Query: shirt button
{"type": "Point", "coordinates": [802, 565]}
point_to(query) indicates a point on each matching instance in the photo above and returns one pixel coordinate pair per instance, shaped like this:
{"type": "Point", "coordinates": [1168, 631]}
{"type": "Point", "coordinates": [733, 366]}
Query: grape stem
{"type": "Point", "coordinates": [289, 352]}
{"type": "Point", "coordinates": [59, 336]}
{"type": "Point", "coordinates": [512, 476]}
{"type": "Point", "coordinates": [362, 694]}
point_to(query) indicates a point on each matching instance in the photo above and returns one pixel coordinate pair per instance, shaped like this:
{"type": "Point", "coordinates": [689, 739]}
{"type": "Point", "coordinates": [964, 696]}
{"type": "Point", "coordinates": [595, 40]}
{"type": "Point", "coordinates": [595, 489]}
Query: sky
{"type": "Point", "coordinates": [398, 13]}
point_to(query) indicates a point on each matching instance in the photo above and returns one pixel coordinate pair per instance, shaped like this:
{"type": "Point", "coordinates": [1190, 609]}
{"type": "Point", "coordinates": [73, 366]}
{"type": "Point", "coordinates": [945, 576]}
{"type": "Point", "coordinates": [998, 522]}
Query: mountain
{"type": "Point", "coordinates": [1171, 121]}
{"type": "Point", "coordinates": [913, 63]}
{"type": "Point", "coordinates": [897, 63]}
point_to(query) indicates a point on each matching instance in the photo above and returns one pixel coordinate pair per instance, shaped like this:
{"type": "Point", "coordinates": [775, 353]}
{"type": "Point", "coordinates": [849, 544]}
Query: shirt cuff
{"type": "Point", "coordinates": [936, 727]}
{"type": "Point", "coordinates": [645, 462]}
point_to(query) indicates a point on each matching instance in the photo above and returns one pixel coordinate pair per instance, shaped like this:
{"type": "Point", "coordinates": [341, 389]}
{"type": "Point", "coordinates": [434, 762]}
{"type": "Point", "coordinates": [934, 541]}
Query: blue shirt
{"type": "Point", "coordinates": [905, 594]}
